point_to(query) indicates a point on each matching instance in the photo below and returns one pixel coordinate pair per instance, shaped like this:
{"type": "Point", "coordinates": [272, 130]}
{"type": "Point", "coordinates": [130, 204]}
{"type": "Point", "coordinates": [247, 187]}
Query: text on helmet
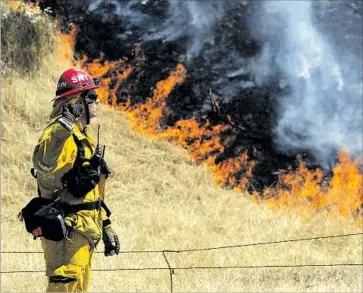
{"type": "Point", "coordinates": [62, 84]}
{"type": "Point", "coordinates": [80, 77]}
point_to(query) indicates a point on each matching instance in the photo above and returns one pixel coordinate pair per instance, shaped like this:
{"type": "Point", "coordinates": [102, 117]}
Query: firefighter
{"type": "Point", "coordinates": [68, 166]}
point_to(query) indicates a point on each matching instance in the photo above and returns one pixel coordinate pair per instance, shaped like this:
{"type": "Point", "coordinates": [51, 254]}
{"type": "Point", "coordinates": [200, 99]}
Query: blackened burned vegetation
{"type": "Point", "coordinates": [110, 29]}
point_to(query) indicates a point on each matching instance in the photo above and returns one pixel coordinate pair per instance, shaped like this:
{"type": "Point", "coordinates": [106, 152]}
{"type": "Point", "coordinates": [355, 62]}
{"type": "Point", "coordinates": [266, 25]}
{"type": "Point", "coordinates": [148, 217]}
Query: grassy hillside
{"type": "Point", "coordinates": [161, 200]}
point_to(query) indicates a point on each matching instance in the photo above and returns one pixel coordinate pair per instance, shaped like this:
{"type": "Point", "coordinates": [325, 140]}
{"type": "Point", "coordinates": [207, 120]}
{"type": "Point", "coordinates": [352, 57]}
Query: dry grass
{"type": "Point", "coordinates": [162, 200]}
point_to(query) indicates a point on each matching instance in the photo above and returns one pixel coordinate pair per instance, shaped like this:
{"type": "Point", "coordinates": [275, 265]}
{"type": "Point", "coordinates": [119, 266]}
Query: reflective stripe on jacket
{"type": "Point", "coordinates": [53, 156]}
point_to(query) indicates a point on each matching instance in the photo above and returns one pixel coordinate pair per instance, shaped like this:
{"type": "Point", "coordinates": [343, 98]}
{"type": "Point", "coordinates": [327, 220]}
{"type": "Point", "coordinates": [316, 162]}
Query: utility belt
{"type": "Point", "coordinates": [49, 215]}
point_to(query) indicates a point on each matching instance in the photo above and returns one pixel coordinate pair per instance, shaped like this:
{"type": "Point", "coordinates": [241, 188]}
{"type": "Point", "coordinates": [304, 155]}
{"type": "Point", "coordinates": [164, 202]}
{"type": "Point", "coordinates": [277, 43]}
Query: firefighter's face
{"type": "Point", "coordinates": [92, 101]}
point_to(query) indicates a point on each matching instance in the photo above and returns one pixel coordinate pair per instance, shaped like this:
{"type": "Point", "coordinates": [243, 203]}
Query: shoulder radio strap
{"type": "Point", "coordinates": [80, 151]}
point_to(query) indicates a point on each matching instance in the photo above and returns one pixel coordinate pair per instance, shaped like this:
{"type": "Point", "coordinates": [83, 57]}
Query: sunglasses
{"type": "Point", "coordinates": [92, 98]}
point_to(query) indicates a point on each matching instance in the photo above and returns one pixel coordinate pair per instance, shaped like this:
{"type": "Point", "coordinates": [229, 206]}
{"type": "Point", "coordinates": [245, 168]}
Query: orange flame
{"type": "Point", "coordinates": [65, 44]}
{"type": "Point", "coordinates": [200, 140]}
{"type": "Point", "coordinates": [111, 69]}
{"type": "Point", "coordinates": [305, 190]}
{"type": "Point", "coordinates": [345, 192]}
{"type": "Point", "coordinates": [226, 171]}
{"type": "Point", "coordinates": [15, 4]}
{"type": "Point", "coordinates": [145, 118]}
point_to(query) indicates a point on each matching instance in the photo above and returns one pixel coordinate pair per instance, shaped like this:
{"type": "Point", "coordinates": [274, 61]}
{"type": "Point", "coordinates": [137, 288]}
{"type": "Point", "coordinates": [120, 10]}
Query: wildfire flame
{"type": "Point", "coordinates": [14, 5]}
{"type": "Point", "coordinates": [226, 171]}
{"type": "Point", "coordinates": [145, 118]}
{"type": "Point", "coordinates": [65, 44]}
{"type": "Point", "coordinates": [304, 190]}
{"type": "Point", "coordinates": [19, 4]}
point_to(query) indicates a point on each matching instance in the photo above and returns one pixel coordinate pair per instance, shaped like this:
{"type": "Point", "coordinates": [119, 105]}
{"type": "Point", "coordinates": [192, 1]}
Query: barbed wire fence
{"type": "Point", "coordinates": [172, 269]}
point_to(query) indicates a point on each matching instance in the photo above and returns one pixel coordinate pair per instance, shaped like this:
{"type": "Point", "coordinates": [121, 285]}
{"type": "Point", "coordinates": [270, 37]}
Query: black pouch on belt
{"type": "Point", "coordinates": [47, 215]}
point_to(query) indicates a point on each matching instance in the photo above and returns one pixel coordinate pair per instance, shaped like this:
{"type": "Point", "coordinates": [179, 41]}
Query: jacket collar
{"type": "Point", "coordinates": [83, 135]}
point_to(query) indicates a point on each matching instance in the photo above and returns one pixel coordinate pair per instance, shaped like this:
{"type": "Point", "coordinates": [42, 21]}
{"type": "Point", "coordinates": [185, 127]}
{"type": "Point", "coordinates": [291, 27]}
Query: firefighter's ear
{"type": "Point", "coordinates": [97, 81]}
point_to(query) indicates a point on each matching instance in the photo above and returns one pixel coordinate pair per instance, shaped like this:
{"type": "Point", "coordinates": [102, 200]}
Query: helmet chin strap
{"type": "Point", "coordinates": [88, 117]}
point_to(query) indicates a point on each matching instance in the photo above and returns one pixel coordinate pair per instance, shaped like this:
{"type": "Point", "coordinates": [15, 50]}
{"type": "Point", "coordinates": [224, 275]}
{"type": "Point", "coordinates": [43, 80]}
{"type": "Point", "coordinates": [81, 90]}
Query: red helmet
{"type": "Point", "coordinates": [74, 81]}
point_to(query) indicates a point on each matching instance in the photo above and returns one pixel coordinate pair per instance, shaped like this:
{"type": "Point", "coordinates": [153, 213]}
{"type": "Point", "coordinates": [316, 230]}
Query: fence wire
{"type": "Point", "coordinates": [214, 248]}
{"type": "Point", "coordinates": [204, 268]}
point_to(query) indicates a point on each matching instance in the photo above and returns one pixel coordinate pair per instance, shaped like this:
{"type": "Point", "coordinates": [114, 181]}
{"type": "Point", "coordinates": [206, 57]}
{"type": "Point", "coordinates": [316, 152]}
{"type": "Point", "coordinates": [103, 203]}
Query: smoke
{"type": "Point", "coordinates": [193, 20]}
{"type": "Point", "coordinates": [322, 111]}
{"type": "Point", "coordinates": [126, 12]}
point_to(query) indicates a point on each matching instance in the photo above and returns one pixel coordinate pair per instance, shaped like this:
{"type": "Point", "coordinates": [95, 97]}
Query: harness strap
{"type": "Point", "coordinates": [80, 151]}
{"type": "Point", "coordinates": [71, 209]}
{"type": "Point", "coordinates": [108, 212]}
{"type": "Point", "coordinates": [33, 172]}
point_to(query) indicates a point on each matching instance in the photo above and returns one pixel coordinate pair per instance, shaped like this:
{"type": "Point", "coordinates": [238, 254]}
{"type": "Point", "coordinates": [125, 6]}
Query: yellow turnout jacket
{"type": "Point", "coordinates": [53, 156]}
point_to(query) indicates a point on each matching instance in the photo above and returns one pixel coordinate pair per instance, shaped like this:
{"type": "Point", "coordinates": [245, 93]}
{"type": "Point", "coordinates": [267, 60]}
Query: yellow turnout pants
{"type": "Point", "coordinates": [68, 263]}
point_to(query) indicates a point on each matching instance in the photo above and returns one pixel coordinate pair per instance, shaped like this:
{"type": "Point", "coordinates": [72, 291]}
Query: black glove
{"type": "Point", "coordinates": [110, 239]}
{"type": "Point", "coordinates": [98, 162]}
{"type": "Point", "coordinates": [80, 180]}
{"type": "Point", "coordinates": [101, 163]}
{"type": "Point", "coordinates": [72, 112]}
{"type": "Point", "coordinates": [105, 170]}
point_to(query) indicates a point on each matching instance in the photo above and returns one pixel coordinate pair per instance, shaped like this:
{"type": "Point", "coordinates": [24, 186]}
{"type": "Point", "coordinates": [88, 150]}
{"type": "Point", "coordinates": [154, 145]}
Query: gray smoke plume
{"type": "Point", "coordinates": [109, 8]}
{"type": "Point", "coordinates": [322, 67]}
{"type": "Point", "coordinates": [193, 20]}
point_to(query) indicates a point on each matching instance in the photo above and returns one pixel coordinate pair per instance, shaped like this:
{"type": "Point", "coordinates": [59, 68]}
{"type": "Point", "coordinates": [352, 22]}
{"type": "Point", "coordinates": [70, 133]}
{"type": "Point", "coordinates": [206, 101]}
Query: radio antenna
{"type": "Point", "coordinates": [98, 134]}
